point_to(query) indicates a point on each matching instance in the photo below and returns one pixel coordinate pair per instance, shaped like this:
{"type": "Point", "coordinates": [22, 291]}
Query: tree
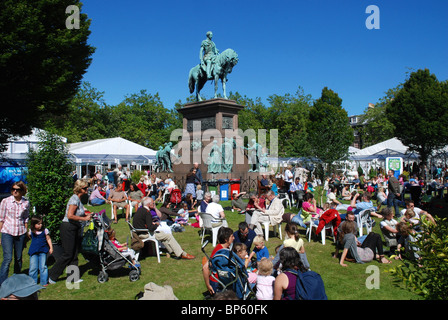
{"type": "Point", "coordinates": [330, 134]}
{"type": "Point", "coordinates": [49, 180]}
{"type": "Point", "coordinates": [87, 117]}
{"type": "Point", "coordinates": [376, 126]}
{"type": "Point", "coordinates": [41, 62]}
{"type": "Point", "coordinates": [427, 275]}
{"type": "Point", "coordinates": [419, 113]}
{"type": "Point", "coordinates": [142, 118]}
{"type": "Point", "coordinates": [289, 114]}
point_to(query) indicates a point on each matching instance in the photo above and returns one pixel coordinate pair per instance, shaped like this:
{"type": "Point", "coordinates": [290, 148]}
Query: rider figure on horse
{"type": "Point", "coordinates": [207, 54]}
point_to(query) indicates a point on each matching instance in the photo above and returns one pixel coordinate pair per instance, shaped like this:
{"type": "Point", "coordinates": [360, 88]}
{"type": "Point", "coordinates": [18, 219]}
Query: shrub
{"type": "Point", "coordinates": [136, 175]}
{"type": "Point", "coordinates": [50, 184]}
{"type": "Point", "coordinates": [428, 275]}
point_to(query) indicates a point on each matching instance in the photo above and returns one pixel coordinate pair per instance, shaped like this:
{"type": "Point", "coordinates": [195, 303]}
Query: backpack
{"type": "Point", "coordinates": [309, 286]}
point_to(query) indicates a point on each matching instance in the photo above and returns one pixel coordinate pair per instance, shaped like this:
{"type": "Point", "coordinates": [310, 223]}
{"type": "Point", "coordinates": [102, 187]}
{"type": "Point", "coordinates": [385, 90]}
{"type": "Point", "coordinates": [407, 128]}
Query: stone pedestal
{"type": "Point", "coordinates": [205, 122]}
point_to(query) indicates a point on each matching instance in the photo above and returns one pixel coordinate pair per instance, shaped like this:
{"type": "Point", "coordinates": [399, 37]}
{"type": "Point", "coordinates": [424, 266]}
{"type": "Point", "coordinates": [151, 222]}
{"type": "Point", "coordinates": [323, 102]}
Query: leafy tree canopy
{"type": "Point", "coordinates": [330, 134]}
{"type": "Point", "coordinates": [41, 62]}
{"type": "Point", "coordinates": [419, 113]}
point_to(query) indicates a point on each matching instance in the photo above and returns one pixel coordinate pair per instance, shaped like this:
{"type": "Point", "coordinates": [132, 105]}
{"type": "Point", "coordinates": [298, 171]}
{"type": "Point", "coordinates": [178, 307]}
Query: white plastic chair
{"type": "Point", "coordinates": [207, 225]}
{"type": "Point", "coordinates": [266, 229]}
{"type": "Point", "coordinates": [323, 233]}
{"type": "Point", "coordinates": [363, 219]}
{"type": "Point", "coordinates": [112, 214]}
{"type": "Point", "coordinates": [149, 238]}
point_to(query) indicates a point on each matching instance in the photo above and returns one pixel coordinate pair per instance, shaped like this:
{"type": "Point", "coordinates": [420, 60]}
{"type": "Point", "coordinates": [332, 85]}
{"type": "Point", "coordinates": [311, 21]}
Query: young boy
{"type": "Point", "coordinates": [260, 249]}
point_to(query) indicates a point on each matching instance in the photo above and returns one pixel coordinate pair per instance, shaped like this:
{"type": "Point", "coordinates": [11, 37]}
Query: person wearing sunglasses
{"type": "Point", "coordinates": [14, 215]}
{"type": "Point", "coordinates": [71, 228]}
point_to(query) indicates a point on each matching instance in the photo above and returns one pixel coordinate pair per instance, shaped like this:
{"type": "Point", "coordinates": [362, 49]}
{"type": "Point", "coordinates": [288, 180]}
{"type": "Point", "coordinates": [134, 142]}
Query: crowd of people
{"type": "Point", "coordinates": [268, 273]}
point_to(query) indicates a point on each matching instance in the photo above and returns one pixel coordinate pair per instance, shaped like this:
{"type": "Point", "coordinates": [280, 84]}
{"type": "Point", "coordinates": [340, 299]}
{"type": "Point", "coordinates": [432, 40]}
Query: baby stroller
{"type": "Point", "coordinates": [109, 256]}
{"type": "Point", "coordinates": [176, 197]}
{"type": "Point", "coordinates": [232, 274]}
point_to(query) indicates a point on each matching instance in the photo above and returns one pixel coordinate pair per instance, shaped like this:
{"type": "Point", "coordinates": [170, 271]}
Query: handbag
{"type": "Point", "coordinates": [136, 243]}
{"type": "Point", "coordinates": [90, 240]}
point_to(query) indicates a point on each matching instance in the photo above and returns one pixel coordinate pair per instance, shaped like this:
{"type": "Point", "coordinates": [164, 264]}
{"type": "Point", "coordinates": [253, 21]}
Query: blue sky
{"type": "Point", "coordinates": [151, 45]}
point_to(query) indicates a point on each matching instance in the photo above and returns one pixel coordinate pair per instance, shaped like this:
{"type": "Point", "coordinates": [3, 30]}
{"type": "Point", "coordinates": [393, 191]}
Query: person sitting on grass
{"type": "Point", "coordinates": [389, 227]}
{"type": "Point", "coordinates": [369, 249]}
{"type": "Point", "coordinates": [260, 250]}
{"type": "Point", "coordinates": [406, 246]}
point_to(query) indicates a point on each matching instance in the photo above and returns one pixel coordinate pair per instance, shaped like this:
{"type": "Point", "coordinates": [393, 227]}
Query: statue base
{"type": "Point", "coordinates": [207, 124]}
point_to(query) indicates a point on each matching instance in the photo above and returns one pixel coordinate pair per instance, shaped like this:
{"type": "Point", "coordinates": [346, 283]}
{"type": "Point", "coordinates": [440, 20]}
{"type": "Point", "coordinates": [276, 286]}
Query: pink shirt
{"type": "Point", "coordinates": [265, 287]}
{"type": "Point", "coordinates": [306, 206]}
{"type": "Point", "coordinates": [14, 216]}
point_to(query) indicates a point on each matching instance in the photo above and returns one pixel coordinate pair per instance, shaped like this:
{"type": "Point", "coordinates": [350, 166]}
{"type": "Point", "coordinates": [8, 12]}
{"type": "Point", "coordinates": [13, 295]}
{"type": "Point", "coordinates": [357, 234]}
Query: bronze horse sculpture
{"type": "Point", "coordinates": [222, 65]}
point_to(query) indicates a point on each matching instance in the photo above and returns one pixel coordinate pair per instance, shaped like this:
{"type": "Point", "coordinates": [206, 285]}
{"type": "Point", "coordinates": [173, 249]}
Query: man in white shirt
{"type": "Point", "coordinates": [288, 180]}
{"type": "Point", "coordinates": [296, 191]}
{"type": "Point", "coordinates": [216, 211]}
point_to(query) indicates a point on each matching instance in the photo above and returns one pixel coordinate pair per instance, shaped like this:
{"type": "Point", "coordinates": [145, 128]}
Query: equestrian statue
{"type": "Point", "coordinates": [214, 66]}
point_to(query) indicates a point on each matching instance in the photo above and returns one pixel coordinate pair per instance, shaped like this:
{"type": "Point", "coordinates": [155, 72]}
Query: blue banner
{"type": "Point", "coordinates": [9, 175]}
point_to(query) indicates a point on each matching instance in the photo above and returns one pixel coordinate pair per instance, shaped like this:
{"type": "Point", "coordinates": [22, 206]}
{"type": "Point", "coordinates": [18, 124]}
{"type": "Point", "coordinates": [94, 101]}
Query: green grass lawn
{"type": "Point", "coordinates": [185, 276]}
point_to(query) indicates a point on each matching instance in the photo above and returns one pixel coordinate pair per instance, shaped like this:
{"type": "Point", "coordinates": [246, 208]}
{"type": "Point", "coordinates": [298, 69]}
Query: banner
{"type": "Point", "coordinates": [9, 175]}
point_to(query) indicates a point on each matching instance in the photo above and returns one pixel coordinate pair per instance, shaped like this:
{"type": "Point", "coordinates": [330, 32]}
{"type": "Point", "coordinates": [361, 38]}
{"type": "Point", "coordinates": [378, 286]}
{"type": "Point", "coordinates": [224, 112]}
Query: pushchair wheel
{"type": "Point", "coordinates": [102, 277]}
{"type": "Point", "coordinates": [134, 275]}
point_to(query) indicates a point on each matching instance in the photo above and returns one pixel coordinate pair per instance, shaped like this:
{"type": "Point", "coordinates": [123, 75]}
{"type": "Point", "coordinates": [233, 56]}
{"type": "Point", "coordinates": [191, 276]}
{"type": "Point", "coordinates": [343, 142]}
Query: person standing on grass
{"type": "Point", "coordinates": [14, 215]}
{"type": "Point", "coordinates": [71, 231]}
{"type": "Point", "coordinates": [41, 245]}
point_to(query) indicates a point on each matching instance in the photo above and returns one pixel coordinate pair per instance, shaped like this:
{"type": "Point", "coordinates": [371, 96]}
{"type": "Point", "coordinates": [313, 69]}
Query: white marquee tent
{"type": "Point", "coordinates": [113, 150]}
{"type": "Point", "coordinates": [392, 147]}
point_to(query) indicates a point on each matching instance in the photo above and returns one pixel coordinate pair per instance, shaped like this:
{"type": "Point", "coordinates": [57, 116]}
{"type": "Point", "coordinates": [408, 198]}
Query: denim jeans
{"type": "Point", "coordinates": [10, 243]}
{"type": "Point", "coordinates": [393, 201]}
{"type": "Point", "coordinates": [38, 264]}
{"type": "Point", "coordinates": [97, 201]}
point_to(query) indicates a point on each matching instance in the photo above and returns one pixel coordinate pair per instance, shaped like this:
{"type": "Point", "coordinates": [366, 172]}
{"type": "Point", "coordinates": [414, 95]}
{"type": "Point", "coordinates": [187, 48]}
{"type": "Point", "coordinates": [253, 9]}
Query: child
{"type": "Point", "coordinates": [260, 249]}
{"type": "Point", "coordinates": [127, 252]}
{"type": "Point", "coordinates": [199, 194]}
{"type": "Point", "coordinates": [183, 215]}
{"type": "Point", "coordinates": [407, 240]}
{"type": "Point", "coordinates": [241, 251]}
{"type": "Point", "coordinates": [41, 244]}
{"type": "Point", "coordinates": [265, 281]}
{"type": "Point", "coordinates": [411, 217]}
{"type": "Point", "coordinates": [293, 240]}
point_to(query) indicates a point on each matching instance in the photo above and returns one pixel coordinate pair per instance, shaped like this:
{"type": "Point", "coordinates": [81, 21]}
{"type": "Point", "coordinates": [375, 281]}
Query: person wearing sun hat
{"type": "Point", "coordinates": [19, 287]}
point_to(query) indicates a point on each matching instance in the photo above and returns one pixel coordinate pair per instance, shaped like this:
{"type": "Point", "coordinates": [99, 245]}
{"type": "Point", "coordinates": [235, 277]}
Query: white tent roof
{"type": "Point", "coordinates": [19, 146]}
{"type": "Point", "coordinates": [110, 146]}
{"type": "Point", "coordinates": [110, 150]}
{"type": "Point", "coordinates": [391, 146]}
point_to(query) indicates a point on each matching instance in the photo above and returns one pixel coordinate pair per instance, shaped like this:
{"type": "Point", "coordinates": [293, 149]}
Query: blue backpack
{"type": "Point", "coordinates": [309, 286]}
